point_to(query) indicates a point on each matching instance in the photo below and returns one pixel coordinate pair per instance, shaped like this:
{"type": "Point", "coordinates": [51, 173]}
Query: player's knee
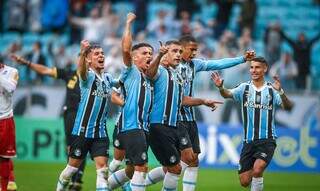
{"type": "Point", "coordinates": [141, 168]}
{"type": "Point", "coordinates": [119, 154]}
{"type": "Point", "coordinates": [129, 171]}
{"type": "Point", "coordinates": [245, 181]}
{"type": "Point", "coordinates": [176, 169]}
{"type": "Point", "coordinates": [257, 171]}
{"type": "Point", "coordinates": [187, 156]}
{"type": "Point", "coordinates": [195, 161]}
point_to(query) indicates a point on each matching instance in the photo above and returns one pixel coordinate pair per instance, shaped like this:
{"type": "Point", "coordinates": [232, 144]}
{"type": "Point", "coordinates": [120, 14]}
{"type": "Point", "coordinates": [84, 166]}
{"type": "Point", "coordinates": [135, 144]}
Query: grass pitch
{"type": "Point", "coordinates": [31, 176]}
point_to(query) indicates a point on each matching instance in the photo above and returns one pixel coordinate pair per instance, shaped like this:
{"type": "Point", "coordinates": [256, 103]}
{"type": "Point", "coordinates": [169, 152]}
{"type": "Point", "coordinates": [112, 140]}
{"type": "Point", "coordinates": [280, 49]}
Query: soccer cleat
{"type": "Point", "coordinates": [12, 186]}
{"type": "Point", "coordinates": [126, 186]}
{"type": "Point", "coordinates": [75, 186]}
{"type": "Point", "coordinates": [62, 185]}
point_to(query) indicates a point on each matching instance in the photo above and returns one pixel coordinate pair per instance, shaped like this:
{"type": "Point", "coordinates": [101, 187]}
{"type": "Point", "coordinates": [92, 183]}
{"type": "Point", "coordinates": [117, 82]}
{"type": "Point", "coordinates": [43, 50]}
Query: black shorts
{"type": "Point", "coordinates": [135, 145]}
{"type": "Point", "coordinates": [164, 142]}
{"type": "Point", "coordinates": [80, 147]}
{"type": "Point", "coordinates": [259, 149]}
{"type": "Point", "coordinates": [189, 135]}
{"type": "Point", "coordinates": [69, 117]}
{"type": "Point", "coordinates": [116, 140]}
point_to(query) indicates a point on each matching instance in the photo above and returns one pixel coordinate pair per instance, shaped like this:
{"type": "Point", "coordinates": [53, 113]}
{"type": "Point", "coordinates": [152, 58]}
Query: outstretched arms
{"type": "Point", "coordinates": [210, 65]}
{"type": "Point", "coordinates": [190, 101]}
{"type": "Point", "coordinates": [39, 68]}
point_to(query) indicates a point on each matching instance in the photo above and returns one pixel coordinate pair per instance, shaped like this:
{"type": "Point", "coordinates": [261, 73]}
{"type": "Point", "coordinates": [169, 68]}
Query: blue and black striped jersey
{"type": "Point", "coordinates": [137, 90]}
{"type": "Point", "coordinates": [92, 112]}
{"type": "Point", "coordinates": [258, 110]}
{"type": "Point", "coordinates": [167, 96]}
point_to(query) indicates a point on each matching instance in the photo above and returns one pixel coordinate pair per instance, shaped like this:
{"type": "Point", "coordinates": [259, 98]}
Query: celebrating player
{"type": "Point", "coordinates": [258, 100]}
{"type": "Point", "coordinates": [89, 131]}
{"type": "Point", "coordinates": [71, 78]}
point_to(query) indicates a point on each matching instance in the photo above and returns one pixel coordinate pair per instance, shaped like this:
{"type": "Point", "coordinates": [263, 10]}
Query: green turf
{"type": "Point", "coordinates": [31, 176]}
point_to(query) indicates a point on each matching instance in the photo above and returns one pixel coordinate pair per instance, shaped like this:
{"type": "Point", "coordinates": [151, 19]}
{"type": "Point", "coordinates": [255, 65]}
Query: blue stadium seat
{"type": "Point", "coordinates": [30, 38]}
{"type": "Point", "coordinates": [155, 7]}
{"type": "Point", "coordinates": [10, 37]}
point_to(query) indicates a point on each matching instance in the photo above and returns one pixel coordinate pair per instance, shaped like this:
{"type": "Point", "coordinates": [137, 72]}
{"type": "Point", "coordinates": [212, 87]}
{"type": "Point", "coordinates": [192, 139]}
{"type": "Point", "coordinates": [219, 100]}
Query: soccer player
{"type": "Point", "coordinates": [89, 129]}
{"type": "Point", "coordinates": [71, 77]}
{"type": "Point", "coordinates": [190, 152]}
{"type": "Point", "coordinates": [190, 149]}
{"type": "Point", "coordinates": [258, 99]}
{"type": "Point", "coordinates": [8, 82]}
{"type": "Point", "coordinates": [133, 124]}
{"type": "Point", "coordinates": [168, 98]}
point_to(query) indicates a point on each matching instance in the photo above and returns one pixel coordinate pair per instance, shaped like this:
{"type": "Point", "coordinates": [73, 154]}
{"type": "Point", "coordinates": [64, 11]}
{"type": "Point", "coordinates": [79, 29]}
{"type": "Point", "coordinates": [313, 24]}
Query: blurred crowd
{"type": "Point", "coordinates": [55, 29]}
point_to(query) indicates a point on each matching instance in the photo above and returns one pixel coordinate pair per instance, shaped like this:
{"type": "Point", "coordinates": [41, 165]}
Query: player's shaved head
{"type": "Point", "coordinates": [187, 39]}
{"type": "Point", "coordinates": [260, 59]}
{"type": "Point", "coordinates": [170, 42]}
{"type": "Point", "coordinates": [140, 45]}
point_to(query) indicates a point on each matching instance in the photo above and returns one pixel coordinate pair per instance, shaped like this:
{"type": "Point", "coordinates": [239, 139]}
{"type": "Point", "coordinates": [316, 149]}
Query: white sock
{"type": "Point", "coordinates": [155, 176]}
{"type": "Point", "coordinates": [257, 184]}
{"type": "Point", "coordinates": [190, 178]}
{"type": "Point", "coordinates": [101, 183]}
{"type": "Point", "coordinates": [117, 179]}
{"type": "Point", "coordinates": [137, 182]}
{"type": "Point", "coordinates": [65, 177]}
{"type": "Point", "coordinates": [183, 166]}
{"type": "Point", "coordinates": [170, 182]}
{"type": "Point", "coordinates": [114, 166]}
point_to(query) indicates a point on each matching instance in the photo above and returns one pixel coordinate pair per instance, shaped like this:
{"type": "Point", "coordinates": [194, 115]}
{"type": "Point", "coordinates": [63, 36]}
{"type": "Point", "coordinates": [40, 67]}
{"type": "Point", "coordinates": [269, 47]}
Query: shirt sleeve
{"type": "Point", "coordinates": [85, 83]}
{"type": "Point", "coordinates": [277, 98]}
{"type": "Point", "coordinates": [60, 74]}
{"type": "Point", "coordinates": [237, 92]}
{"type": "Point", "coordinates": [209, 65]}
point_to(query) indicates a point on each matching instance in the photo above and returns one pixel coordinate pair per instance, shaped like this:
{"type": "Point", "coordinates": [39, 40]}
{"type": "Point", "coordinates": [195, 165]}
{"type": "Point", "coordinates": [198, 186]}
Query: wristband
{"type": "Point", "coordinates": [281, 92]}
{"type": "Point", "coordinates": [221, 88]}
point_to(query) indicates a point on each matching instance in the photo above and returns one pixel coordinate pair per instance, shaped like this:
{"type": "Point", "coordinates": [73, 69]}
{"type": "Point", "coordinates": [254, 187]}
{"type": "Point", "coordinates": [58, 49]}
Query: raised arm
{"type": "Point", "coordinates": [153, 68]}
{"type": "Point", "coordinates": [286, 103]}
{"type": "Point", "coordinates": [285, 37]}
{"type": "Point", "coordinates": [315, 39]}
{"type": "Point", "coordinates": [218, 81]}
{"type": "Point", "coordinates": [9, 84]}
{"type": "Point", "coordinates": [83, 65]}
{"type": "Point", "coordinates": [210, 65]}
{"type": "Point", "coordinates": [127, 40]}
{"type": "Point", "coordinates": [39, 68]}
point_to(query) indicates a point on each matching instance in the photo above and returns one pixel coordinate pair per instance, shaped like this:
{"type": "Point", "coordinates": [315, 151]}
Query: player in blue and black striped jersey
{"type": "Point", "coordinates": [258, 99]}
{"type": "Point", "coordinates": [133, 124]}
{"type": "Point", "coordinates": [165, 136]}
{"type": "Point", "coordinates": [89, 129]}
{"type": "Point", "coordinates": [191, 66]}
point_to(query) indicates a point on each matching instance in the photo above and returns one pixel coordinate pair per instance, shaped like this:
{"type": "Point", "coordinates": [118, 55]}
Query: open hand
{"type": "Point", "coordinates": [276, 84]}
{"type": "Point", "coordinates": [217, 80]}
